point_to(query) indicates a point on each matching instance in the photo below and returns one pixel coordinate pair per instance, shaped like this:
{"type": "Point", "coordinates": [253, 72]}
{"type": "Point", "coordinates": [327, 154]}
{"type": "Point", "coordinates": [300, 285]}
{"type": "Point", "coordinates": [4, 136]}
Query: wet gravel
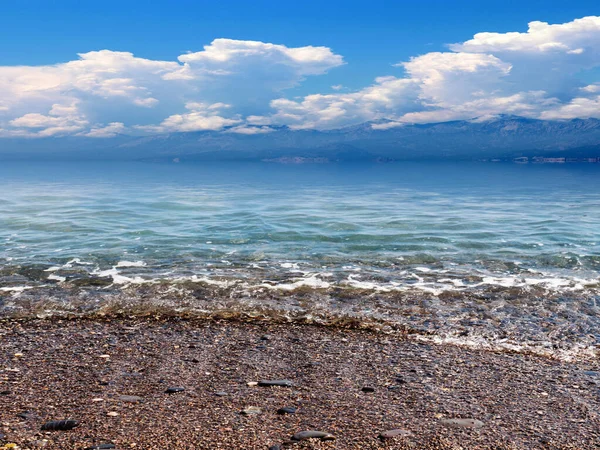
{"type": "Point", "coordinates": [112, 377]}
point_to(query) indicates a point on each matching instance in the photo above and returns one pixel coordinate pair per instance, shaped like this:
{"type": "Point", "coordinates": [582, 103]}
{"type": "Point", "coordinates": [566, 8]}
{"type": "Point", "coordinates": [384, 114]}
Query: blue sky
{"type": "Point", "coordinates": [370, 38]}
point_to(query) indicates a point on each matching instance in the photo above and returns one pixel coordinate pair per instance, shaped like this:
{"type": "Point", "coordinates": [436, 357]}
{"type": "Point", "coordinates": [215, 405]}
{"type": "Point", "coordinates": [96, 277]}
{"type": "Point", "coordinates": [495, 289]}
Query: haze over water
{"type": "Point", "coordinates": [498, 255]}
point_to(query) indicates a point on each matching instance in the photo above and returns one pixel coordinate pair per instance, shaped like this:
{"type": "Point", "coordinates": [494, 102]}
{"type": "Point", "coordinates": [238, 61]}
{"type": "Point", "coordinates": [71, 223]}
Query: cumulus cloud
{"type": "Point", "coordinates": [241, 87]}
{"type": "Point", "coordinates": [200, 117]}
{"type": "Point", "coordinates": [531, 74]}
{"type": "Point", "coordinates": [117, 87]}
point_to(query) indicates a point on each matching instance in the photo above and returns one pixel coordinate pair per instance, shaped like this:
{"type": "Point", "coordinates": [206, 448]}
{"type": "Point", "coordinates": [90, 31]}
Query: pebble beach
{"type": "Point", "coordinates": [169, 383]}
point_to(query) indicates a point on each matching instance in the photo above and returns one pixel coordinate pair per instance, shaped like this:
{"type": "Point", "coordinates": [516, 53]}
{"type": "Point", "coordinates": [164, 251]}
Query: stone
{"type": "Point", "coordinates": [252, 383]}
{"type": "Point", "coordinates": [112, 414]}
{"type": "Point", "coordinates": [221, 394]}
{"type": "Point", "coordinates": [60, 425]}
{"type": "Point", "coordinates": [174, 389]}
{"type": "Point", "coordinates": [462, 423]}
{"type": "Point", "coordinates": [266, 337]}
{"type": "Point", "coordinates": [280, 383]}
{"type": "Point", "coordinates": [26, 415]}
{"type": "Point", "coordinates": [4, 392]}
{"type": "Point", "coordinates": [286, 410]}
{"type": "Point", "coordinates": [312, 434]}
{"type": "Point", "coordinates": [101, 447]}
{"type": "Point", "coordinates": [368, 389]}
{"type": "Point", "coordinates": [390, 434]}
{"type": "Point", "coordinates": [251, 411]}
{"type": "Point", "coordinates": [276, 447]}
{"type": "Point", "coordinates": [130, 398]}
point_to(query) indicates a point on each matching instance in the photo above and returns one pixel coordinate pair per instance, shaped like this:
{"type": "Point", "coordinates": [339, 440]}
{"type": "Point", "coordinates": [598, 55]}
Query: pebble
{"type": "Point", "coordinates": [221, 394]}
{"type": "Point", "coordinates": [101, 447]}
{"type": "Point", "coordinates": [389, 434]}
{"type": "Point", "coordinates": [5, 393]}
{"type": "Point", "coordinates": [287, 410]}
{"type": "Point", "coordinates": [276, 447]}
{"type": "Point", "coordinates": [175, 389]}
{"type": "Point", "coordinates": [368, 389]}
{"type": "Point", "coordinates": [266, 337]}
{"type": "Point", "coordinates": [252, 383]}
{"type": "Point", "coordinates": [462, 423]}
{"type": "Point", "coordinates": [60, 425]}
{"type": "Point", "coordinates": [311, 434]}
{"type": "Point", "coordinates": [27, 415]}
{"type": "Point", "coordinates": [112, 414]}
{"type": "Point", "coordinates": [2, 437]}
{"type": "Point", "coordinates": [281, 383]}
{"type": "Point", "coordinates": [130, 398]}
{"type": "Point", "coordinates": [251, 411]}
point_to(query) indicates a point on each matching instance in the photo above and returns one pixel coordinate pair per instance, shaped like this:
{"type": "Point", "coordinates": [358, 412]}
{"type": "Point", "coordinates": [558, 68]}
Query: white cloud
{"type": "Point", "coordinates": [240, 87]}
{"type": "Point", "coordinates": [201, 117]}
{"type": "Point", "coordinates": [108, 131]}
{"type": "Point", "coordinates": [574, 37]}
{"type": "Point", "coordinates": [532, 74]}
{"type": "Point", "coordinates": [250, 130]}
{"type": "Point", "coordinates": [116, 87]}
{"type": "Point", "coordinates": [579, 107]}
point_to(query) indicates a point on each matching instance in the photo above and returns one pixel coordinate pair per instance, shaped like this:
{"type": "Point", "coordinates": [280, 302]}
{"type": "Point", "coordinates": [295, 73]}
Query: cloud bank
{"type": "Point", "coordinates": [238, 86]}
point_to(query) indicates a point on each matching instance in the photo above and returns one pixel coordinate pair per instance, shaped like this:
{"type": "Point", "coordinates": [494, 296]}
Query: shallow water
{"type": "Point", "coordinates": [497, 255]}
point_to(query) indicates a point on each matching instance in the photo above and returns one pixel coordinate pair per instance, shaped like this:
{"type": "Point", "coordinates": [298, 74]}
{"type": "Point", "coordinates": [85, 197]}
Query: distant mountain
{"type": "Point", "coordinates": [501, 137]}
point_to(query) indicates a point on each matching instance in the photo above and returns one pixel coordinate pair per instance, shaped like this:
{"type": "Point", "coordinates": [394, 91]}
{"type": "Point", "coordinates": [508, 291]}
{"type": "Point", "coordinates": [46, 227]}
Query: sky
{"type": "Point", "coordinates": [100, 69]}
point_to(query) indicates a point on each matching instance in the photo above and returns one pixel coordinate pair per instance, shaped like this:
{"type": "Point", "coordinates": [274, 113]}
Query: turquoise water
{"type": "Point", "coordinates": [478, 253]}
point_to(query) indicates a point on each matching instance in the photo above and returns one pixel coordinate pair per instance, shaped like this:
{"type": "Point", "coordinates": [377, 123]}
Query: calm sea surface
{"type": "Point", "coordinates": [495, 255]}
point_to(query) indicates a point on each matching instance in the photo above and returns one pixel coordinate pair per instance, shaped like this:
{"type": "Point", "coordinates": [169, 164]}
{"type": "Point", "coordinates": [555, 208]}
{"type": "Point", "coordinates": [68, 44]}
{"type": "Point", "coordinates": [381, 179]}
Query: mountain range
{"type": "Point", "coordinates": [500, 137]}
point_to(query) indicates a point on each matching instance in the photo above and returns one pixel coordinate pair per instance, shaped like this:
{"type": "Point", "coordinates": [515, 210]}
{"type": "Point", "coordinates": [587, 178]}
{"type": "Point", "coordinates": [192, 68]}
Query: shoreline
{"type": "Point", "coordinates": [81, 369]}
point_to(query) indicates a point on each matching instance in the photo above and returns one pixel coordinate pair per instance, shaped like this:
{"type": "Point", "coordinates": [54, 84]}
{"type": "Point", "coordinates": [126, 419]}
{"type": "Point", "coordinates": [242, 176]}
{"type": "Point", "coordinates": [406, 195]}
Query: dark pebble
{"type": "Point", "coordinates": [101, 447]}
{"type": "Point", "coordinates": [286, 410]}
{"type": "Point", "coordinates": [275, 447]}
{"type": "Point", "coordinates": [266, 337]}
{"type": "Point", "coordinates": [368, 389]}
{"type": "Point", "coordinates": [311, 434]}
{"type": "Point", "coordinates": [5, 393]}
{"type": "Point", "coordinates": [173, 390]}
{"type": "Point", "coordinates": [2, 437]}
{"type": "Point", "coordinates": [60, 425]}
{"type": "Point", "coordinates": [221, 394]}
{"type": "Point", "coordinates": [281, 383]}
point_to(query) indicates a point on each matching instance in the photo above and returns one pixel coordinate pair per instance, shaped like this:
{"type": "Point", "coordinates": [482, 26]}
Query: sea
{"type": "Point", "coordinates": [499, 256]}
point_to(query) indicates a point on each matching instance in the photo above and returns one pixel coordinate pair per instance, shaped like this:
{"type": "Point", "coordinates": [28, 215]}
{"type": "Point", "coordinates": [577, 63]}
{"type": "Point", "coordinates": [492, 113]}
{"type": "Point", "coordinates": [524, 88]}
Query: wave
{"type": "Point", "coordinates": [538, 313]}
